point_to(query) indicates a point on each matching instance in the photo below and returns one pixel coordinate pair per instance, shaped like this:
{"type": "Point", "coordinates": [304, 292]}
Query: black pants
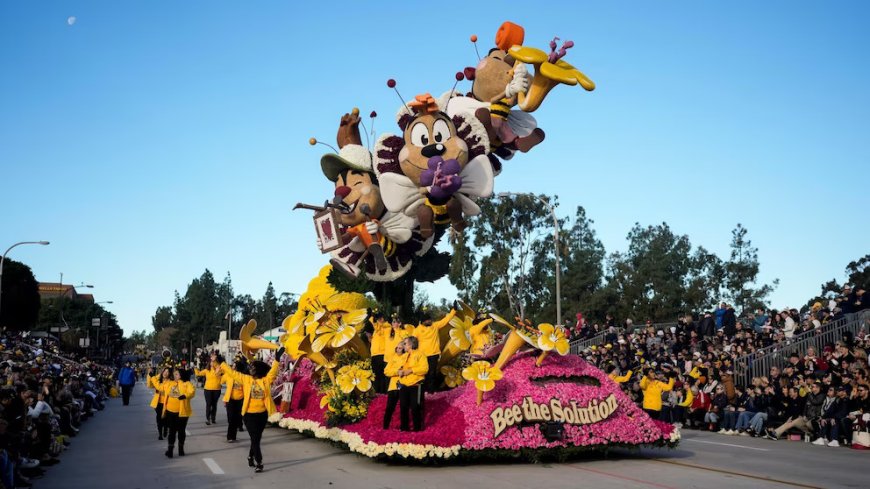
{"type": "Point", "coordinates": [234, 418]}
{"type": "Point", "coordinates": [177, 426]}
{"type": "Point", "coordinates": [432, 374]}
{"type": "Point", "coordinates": [411, 405]}
{"type": "Point", "coordinates": [392, 400]}
{"type": "Point", "coordinates": [653, 413]}
{"type": "Point", "coordinates": [126, 390]}
{"type": "Point", "coordinates": [161, 426]}
{"type": "Point", "coordinates": [256, 423]}
{"type": "Point", "coordinates": [211, 401]}
{"type": "Point", "coordinates": [381, 380]}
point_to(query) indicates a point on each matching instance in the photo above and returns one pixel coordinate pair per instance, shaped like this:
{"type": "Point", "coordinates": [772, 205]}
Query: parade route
{"type": "Point", "coordinates": [119, 448]}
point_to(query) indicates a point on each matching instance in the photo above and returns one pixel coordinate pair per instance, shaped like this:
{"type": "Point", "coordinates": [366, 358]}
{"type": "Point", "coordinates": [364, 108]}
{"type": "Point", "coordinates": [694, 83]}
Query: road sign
{"type": "Point", "coordinates": [95, 322]}
{"type": "Point", "coordinates": [59, 329]}
{"type": "Point", "coordinates": [84, 342]}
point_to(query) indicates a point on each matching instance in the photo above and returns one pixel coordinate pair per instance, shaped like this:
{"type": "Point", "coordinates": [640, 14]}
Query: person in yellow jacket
{"type": "Point", "coordinates": [427, 334]}
{"type": "Point", "coordinates": [378, 340]}
{"type": "Point", "coordinates": [156, 382]}
{"type": "Point", "coordinates": [613, 374]}
{"type": "Point", "coordinates": [212, 388]}
{"type": "Point", "coordinates": [257, 403]}
{"type": "Point", "coordinates": [233, 399]}
{"type": "Point", "coordinates": [652, 388]}
{"type": "Point", "coordinates": [411, 375]}
{"type": "Point", "coordinates": [391, 371]}
{"type": "Point", "coordinates": [395, 335]}
{"type": "Point", "coordinates": [176, 408]}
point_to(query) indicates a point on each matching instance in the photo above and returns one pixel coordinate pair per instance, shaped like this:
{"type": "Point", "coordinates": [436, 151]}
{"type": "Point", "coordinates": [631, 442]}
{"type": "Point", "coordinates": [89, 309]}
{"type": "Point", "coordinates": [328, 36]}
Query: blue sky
{"type": "Point", "coordinates": [151, 140]}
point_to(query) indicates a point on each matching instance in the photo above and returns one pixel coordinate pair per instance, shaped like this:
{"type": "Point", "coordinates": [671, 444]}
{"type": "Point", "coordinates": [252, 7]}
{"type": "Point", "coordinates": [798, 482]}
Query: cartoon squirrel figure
{"type": "Point", "coordinates": [436, 168]}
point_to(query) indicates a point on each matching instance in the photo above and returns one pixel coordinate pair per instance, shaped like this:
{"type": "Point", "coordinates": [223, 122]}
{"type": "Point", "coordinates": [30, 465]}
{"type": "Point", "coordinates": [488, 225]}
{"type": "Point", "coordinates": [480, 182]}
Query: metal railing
{"type": "Point", "coordinates": [578, 346]}
{"type": "Point", "coordinates": [758, 363]}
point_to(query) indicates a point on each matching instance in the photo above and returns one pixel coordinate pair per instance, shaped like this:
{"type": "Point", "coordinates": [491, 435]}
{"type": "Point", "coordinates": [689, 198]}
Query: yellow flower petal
{"type": "Point", "coordinates": [528, 54]}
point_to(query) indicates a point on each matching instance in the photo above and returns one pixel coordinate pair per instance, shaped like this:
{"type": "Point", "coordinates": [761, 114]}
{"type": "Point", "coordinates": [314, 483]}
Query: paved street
{"type": "Point", "coordinates": [119, 449]}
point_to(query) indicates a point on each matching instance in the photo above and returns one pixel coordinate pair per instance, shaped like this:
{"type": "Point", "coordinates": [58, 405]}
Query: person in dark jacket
{"type": "Point", "coordinates": [729, 322]}
{"type": "Point", "coordinates": [795, 411]}
{"type": "Point", "coordinates": [126, 379]}
{"type": "Point", "coordinates": [707, 326]}
{"type": "Point", "coordinates": [826, 428]}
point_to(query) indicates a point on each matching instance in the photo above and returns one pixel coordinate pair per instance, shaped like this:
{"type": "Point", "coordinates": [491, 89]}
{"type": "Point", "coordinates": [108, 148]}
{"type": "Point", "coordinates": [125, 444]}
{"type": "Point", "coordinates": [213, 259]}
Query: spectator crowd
{"type": "Point", "coordinates": [685, 373]}
{"type": "Point", "coordinates": [45, 397]}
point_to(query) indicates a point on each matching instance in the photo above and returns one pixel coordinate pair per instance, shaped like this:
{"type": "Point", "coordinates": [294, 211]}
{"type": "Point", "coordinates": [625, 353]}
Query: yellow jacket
{"type": "Point", "coordinates": [212, 378]}
{"type": "Point", "coordinates": [688, 400]}
{"type": "Point", "coordinates": [416, 362]}
{"type": "Point", "coordinates": [173, 389]}
{"type": "Point", "coordinates": [154, 382]}
{"type": "Point", "coordinates": [390, 343]}
{"type": "Point", "coordinates": [620, 379]}
{"type": "Point", "coordinates": [235, 391]}
{"type": "Point", "coordinates": [652, 392]}
{"type": "Point", "coordinates": [382, 329]}
{"type": "Point", "coordinates": [248, 383]}
{"type": "Point", "coordinates": [392, 368]}
{"type": "Point", "coordinates": [428, 336]}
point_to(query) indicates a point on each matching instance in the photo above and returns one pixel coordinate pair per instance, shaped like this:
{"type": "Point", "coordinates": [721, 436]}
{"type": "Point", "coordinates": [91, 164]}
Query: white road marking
{"type": "Point", "coordinates": [726, 444]}
{"type": "Point", "coordinates": [215, 468]}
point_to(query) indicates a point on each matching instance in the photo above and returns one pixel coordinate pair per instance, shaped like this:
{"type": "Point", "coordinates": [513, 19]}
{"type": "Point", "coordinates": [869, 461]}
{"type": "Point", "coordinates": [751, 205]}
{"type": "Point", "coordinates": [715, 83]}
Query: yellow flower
{"type": "Point", "coordinates": [551, 338]}
{"type": "Point", "coordinates": [483, 375]}
{"type": "Point", "coordinates": [292, 343]}
{"type": "Point", "coordinates": [460, 332]}
{"type": "Point", "coordinates": [325, 401]}
{"type": "Point", "coordinates": [351, 377]}
{"type": "Point", "coordinates": [332, 333]}
{"type": "Point", "coordinates": [452, 377]}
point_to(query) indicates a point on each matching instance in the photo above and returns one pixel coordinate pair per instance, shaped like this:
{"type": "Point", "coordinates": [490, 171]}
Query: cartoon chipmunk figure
{"type": "Point", "coordinates": [367, 227]}
{"type": "Point", "coordinates": [436, 168]}
{"type": "Point", "coordinates": [498, 81]}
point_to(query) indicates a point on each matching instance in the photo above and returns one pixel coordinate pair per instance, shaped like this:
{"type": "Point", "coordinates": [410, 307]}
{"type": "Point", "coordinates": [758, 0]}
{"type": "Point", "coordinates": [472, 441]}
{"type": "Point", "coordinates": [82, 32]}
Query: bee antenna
{"type": "Point", "coordinates": [314, 141]}
{"type": "Point", "coordinates": [459, 77]}
{"type": "Point", "coordinates": [392, 84]}
{"type": "Point", "coordinates": [366, 132]}
{"type": "Point", "coordinates": [474, 41]}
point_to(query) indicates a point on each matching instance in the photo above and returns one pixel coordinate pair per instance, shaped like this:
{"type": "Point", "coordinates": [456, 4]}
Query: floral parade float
{"type": "Point", "coordinates": [506, 389]}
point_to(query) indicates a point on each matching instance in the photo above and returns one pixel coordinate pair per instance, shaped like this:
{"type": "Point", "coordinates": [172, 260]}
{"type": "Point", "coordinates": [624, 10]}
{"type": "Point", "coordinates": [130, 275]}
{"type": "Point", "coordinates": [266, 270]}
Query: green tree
{"type": "Point", "coordinates": [163, 318]}
{"type": "Point", "coordinates": [20, 297]}
{"type": "Point", "coordinates": [741, 273]}
{"type": "Point", "coordinates": [582, 268]}
{"type": "Point", "coordinates": [266, 309]}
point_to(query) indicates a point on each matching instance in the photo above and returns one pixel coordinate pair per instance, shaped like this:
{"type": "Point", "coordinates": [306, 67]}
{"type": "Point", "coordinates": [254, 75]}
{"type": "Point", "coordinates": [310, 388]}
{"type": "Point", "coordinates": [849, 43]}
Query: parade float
{"type": "Point", "coordinates": [505, 388]}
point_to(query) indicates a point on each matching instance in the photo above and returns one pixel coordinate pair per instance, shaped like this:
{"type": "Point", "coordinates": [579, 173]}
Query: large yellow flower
{"type": "Point", "coordinates": [452, 376]}
{"type": "Point", "coordinates": [460, 332]}
{"type": "Point", "coordinates": [332, 333]}
{"type": "Point", "coordinates": [352, 378]}
{"type": "Point", "coordinates": [552, 338]}
{"type": "Point", "coordinates": [483, 375]}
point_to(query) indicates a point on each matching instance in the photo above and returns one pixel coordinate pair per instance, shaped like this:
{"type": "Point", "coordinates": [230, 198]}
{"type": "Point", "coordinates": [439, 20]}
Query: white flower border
{"type": "Point", "coordinates": [370, 449]}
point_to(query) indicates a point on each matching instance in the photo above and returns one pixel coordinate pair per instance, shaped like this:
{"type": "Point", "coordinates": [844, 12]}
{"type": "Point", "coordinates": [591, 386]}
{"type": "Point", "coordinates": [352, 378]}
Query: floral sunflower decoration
{"type": "Point", "coordinates": [351, 377]}
{"type": "Point", "coordinates": [551, 338]}
{"type": "Point", "coordinates": [452, 376]}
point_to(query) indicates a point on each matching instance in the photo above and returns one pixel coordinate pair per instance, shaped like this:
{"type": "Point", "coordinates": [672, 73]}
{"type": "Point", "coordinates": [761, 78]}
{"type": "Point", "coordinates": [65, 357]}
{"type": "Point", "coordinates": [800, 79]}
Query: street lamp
{"type": "Point", "coordinates": [555, 244]}
{"type": "Point", "coordinates": [3, 260]}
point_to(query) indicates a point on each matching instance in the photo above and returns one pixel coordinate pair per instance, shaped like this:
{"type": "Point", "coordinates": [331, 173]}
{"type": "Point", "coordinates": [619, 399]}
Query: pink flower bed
{"type": "Point", "coordinates": [453, 417]}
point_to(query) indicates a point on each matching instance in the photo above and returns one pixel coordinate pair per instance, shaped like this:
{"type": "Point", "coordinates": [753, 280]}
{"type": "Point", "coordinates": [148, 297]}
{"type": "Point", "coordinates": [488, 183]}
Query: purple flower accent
{"type": "Point", "coordinates": [442, 176]}
{"type": "Point", "coordinates": [557, 55]}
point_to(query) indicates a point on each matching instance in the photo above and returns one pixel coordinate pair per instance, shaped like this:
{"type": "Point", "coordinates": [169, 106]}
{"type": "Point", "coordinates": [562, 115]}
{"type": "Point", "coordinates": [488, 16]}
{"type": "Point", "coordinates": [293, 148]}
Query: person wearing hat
{"type": "Point", "coordinates": [371, 234]}
{"type": "Point", "coordinates": [427, 334]}
{"type": "Point", "coordinates": [176, 409]}
{"type": "Point", "coordinates": [257, 403]}
{"type": "Point", "coordinates": [652, 388]}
